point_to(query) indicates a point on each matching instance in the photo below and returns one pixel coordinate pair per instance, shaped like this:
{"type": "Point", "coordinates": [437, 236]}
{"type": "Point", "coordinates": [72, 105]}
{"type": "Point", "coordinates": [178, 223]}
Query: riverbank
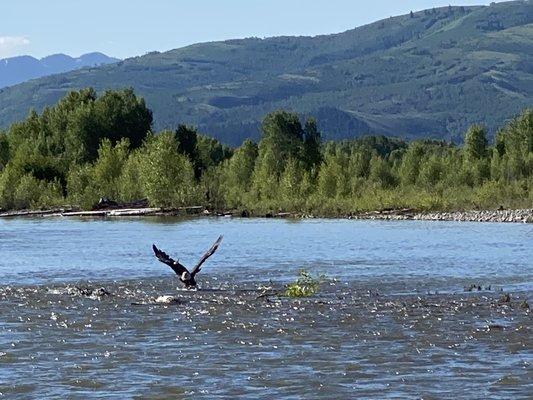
{"type": "Point", "coordinates": [515, 216]}
{"type": "Point", "coordinates": [508, 216]}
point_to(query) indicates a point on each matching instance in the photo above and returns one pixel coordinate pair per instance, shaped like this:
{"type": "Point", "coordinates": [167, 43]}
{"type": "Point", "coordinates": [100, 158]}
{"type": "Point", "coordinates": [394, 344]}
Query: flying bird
{"type": "Point", "coordinates": [188, 278]}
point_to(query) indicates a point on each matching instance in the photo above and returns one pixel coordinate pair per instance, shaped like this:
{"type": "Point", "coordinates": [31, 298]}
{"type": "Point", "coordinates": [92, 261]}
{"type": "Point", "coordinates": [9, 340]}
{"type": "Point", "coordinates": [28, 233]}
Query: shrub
{"type": "Point", "coordinates": [304, 286]}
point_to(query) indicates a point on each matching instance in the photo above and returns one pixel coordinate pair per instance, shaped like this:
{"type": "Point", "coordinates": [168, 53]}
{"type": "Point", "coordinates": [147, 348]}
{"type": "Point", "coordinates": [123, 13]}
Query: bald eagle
{"type": "Point", "coordinates": [186, 276]}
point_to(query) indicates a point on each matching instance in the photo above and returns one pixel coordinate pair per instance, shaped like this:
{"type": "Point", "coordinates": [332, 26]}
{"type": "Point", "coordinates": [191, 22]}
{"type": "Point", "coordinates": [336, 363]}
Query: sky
{"type": "Point", "coordinates": [126, 28]}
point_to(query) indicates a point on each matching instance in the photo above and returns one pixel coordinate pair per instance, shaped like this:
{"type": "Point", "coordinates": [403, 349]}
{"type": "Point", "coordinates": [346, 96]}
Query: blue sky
{"type": "Point", "coordinates": [125, 28]}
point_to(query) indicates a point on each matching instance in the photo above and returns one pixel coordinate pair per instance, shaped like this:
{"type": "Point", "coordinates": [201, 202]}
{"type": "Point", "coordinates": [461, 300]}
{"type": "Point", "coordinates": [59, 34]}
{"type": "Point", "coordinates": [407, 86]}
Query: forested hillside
{"type": "Point", "coordinates": [88, 146]}
{"type": "Point", "coordinates": [428, 74]}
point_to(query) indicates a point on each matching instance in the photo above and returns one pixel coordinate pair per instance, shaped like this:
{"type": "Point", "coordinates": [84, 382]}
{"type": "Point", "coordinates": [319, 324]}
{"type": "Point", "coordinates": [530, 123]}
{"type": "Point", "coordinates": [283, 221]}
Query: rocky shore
{"type": "Point", "coordinates": [516, 216]}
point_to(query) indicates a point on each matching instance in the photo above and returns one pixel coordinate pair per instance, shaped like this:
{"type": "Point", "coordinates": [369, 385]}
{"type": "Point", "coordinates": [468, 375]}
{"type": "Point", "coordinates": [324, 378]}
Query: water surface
{"type": "Point", "coordinates": [393, 320]}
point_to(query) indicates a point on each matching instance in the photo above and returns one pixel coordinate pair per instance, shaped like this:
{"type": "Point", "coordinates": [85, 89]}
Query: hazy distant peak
{"type": "Point", "coordinates": [19, 69]}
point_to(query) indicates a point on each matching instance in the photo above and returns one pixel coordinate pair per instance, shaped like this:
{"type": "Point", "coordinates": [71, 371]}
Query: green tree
{"type": "Point", "coordinates": [265, 180]}
{"type": "Point", "coordinates": [187, 144]}
{"type": "Point", "coordinates": [9, 179]}
{"type": "Point", "coordinates": [107, 169]}
{"type": "Point", "coordinates": [282, 135]}
{"type": "Point", "coordinates": [80, 188]}
{"type": "Point", "coordinates": [431, 172]}
{"type": "Point", "coordinates": [328, 177]}
{"type": "Point", "coordinates": [290, 190]}
{"type": "Point", "coordinates": [360, 163]}
{"type": "Point", "coordinates": [129, 182]}
{"type": "Point", "coordinates": [516, 139]}
{"type": "Point", "coordinates": [26, 192]}
{"type": "Point", "coordinates": [475, 146]}
{"type": "Point", "coordinates": [89, 182]}
{"type": "Point", "coordinates": [237, 174]}
{"type": "Point", "coordinates": [211, 152]}
{"type": "Point", "coordinates": [410, 165]}
{"type": "Point", "coordinates": [212, 188]}
{"type": "Point", "coordinates": [49, 145]}
{"type": "Point", "coordinates": [4, 150]}
{"type": "Point", "coordinates": [312, 155]}
{"type": "Point", "coordinates": [166, 175]}
{"type": "Point", "coordinates": [496, 172]}
{"type": "Point", "coordinates": [121, 114]}
{"type": "Point", "coordinates": [202, 151]}
{"type": "Point", "coordinates": [380, 172]}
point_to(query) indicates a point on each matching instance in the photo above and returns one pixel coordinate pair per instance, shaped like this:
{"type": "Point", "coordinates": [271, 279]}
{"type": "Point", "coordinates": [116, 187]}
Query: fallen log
{"type": "Point", "coordinates": [84, 214]}
{"type": "Point", "coordinates": [133, 212]}
{"type": "Point", "coordinates": [114, 213]}
{"type": "Point", "coordinates": [34, 213]}
{"type": "Point", "coordinates": [105, 212]}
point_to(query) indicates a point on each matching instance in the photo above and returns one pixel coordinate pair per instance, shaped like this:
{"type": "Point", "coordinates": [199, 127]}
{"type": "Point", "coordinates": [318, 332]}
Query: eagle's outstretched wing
{"type": "Point", "coordinates": [207, 254]}
{"type": "Point", "coordinates": [178, 268]}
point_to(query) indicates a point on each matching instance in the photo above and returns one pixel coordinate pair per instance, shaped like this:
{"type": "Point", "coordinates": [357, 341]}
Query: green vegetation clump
{"type": "Point", "coordinates": [88, 146]}
{"type": "Point", "coordinates": [304, 286]}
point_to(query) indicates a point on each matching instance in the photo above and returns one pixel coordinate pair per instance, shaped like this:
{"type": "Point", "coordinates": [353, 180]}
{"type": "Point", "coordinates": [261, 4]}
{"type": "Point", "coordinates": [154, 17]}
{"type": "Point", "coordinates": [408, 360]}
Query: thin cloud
{"type": "Point", "coordinates": [10, 45]}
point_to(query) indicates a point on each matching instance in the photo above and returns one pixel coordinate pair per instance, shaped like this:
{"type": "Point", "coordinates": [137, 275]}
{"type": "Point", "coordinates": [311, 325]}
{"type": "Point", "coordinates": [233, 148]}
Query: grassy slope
{"type": "Point", "coordinates": [431, 75]}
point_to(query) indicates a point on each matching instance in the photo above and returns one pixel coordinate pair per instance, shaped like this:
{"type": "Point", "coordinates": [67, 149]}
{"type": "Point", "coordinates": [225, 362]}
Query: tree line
{"type": "Point", "coordinates": [89, 146]}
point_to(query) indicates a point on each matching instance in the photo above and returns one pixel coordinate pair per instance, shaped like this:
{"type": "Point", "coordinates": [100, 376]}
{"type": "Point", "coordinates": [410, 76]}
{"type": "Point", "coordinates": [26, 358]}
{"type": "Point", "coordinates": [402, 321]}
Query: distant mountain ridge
{"type": "Point", "coordinates": [427, 74]}
{"type": "Point", "coordinates": [20, 69]}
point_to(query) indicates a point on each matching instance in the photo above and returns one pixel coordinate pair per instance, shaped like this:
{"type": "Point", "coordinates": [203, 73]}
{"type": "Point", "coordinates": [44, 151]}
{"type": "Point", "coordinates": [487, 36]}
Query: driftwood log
{"type": "Point", "coordinates": [122, 210]}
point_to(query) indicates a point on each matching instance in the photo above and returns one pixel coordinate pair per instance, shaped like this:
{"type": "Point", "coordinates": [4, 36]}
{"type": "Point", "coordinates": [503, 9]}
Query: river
{"type": "Point", "coordinates": [392, 319]}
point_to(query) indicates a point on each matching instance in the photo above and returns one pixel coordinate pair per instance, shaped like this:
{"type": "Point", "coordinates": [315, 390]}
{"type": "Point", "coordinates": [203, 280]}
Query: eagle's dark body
{"type": "Point", "coordinates": [186, 276]}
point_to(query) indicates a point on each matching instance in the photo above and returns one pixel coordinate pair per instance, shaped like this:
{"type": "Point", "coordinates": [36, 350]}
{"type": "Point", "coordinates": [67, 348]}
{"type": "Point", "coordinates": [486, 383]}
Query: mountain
{"type": "Point", "coordinates": [15, 70]}
{"type": "Point", "coordinates": [427, 74]}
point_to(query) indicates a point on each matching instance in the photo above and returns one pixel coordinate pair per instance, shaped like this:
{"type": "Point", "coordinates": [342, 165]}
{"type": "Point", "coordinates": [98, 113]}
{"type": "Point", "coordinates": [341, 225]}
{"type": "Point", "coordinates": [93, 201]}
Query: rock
{"type": "Point", "coordinates": [473, 287]}
{"type": "Point", "coordinates": [93, 293]}
{"type": "Point", "coordinates": [168, 300]}
{"type": "Point", "coordinates": [501, 215]}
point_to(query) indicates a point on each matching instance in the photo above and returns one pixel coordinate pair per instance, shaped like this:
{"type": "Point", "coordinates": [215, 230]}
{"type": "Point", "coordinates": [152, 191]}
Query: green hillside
{"type": "Point", "coordinates": [429, 74]}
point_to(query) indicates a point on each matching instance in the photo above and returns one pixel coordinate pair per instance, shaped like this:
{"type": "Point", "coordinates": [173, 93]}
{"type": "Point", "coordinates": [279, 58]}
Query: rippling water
{"type": "Point", "coordinates": [86, 310]}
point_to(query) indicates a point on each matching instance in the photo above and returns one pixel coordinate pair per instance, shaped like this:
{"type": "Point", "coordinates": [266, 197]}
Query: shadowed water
{"type": "Point", "coordinates": [86, 311]}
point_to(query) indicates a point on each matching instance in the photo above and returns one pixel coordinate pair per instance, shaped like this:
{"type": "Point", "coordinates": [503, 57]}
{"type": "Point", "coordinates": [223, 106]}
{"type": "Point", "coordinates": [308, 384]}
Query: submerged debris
{"type": "Point", "coordinates": [94, 293]}
{"type": "Point", "coordinates": [476, 287]}
{"type": "Point", "coordinates": [505, 298]}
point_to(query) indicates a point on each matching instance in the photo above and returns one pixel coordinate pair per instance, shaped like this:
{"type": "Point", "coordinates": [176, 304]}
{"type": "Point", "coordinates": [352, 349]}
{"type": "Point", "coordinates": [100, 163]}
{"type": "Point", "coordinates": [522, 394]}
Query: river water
{"type": "Point", "coordinates": [86, 311]}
